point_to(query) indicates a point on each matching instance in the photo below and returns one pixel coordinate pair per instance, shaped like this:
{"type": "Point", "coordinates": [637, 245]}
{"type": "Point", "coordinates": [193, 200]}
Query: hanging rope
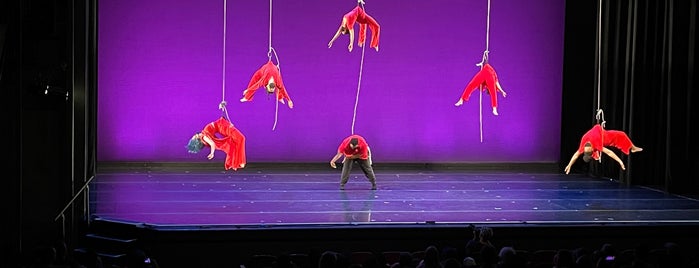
{"type": "Point", "coordinates": [271, 51]}
{"type": "Point", "coordinates": [359, 83]}
{"type": "Point", "coordinates": [484, 60]}
{"type": "Point", "coordinates": [599, 116]}
{"type": "Point", "coordinates": [222, 105]}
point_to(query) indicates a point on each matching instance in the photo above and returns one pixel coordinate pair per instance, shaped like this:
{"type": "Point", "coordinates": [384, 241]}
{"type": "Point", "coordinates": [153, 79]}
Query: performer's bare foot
{"type": "Point", "coordinates": [459, 103]}
{"type": "Point", "coordinates": [495, 111]}
{"type": "Point", "coordinates": [243, 100]}
{"type": "Point", "coordinates": [635, 149]}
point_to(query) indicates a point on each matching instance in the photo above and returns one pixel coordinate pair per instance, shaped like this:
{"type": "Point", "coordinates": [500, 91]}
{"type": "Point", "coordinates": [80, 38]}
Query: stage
{"type": "Point", "coordinates": [272, 208]}
{"type": "Point", "coordinates": [251, 197]}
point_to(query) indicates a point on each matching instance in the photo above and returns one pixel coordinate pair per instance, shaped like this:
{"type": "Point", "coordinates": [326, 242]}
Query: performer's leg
{"type": "Point", "coordinates": [238, 147]}
{"type": "Point", "coordinates": [472, 85]}
{"type": "Point", "coordinates": [621, 141]}
{"type": "Point", "coordinates": [253, 85]}
{"type": "Point", "coordinates": [362, 34]}
{"type": "Point", "coordinates": [368, 172]}
{"type": "Point", "coordinates": [492, 90]}
{"type": "Point", "coordinates": [346, 169]}
{"type": "Point", "coordinates": [375, 31]}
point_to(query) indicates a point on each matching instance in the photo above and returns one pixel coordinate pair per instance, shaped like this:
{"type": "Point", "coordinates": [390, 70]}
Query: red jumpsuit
{"type": "Point", "coordinates": [229, 139]}
{"type": "Point", "coordinates": [358, 15]}
{"type": "Point", "coordinates": [261, 78]}
{"type": "Point", "coordinates": [599, 137]}
{"type": "Point", "coordinates": [489, 79]}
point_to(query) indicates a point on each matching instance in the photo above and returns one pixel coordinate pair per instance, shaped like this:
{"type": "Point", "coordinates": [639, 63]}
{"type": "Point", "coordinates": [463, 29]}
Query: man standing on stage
{"type": "Point", "coordinates": [356, 150]}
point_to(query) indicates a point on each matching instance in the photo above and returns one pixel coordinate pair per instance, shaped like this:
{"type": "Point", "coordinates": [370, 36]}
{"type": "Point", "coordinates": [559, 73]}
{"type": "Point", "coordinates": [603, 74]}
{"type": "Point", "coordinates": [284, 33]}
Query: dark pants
{"type": "Point", "coordinates": [364, 164]}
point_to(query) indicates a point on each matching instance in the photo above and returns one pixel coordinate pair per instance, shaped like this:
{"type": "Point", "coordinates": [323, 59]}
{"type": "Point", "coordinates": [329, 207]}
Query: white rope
{"type": "Point", "coordinates": [269, 52]}
{"type": "Point", "coordinates": [484, 60]}
{"type": "Point", "coordinates": [222, 105]}
{"type": "Point", "coordinates": [223, 86]}
{"type": "Point", "coordinates": [359, 83]}
{"type": "Point", "coordinates": [487, 29]}
{"type": "Point", "coordinates": [600, 114]}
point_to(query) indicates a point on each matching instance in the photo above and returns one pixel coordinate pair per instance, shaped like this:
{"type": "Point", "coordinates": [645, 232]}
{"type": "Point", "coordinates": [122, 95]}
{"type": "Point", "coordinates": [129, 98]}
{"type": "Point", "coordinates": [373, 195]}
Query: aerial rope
{"type": "Point", "coordinates": [269, 77]}
{"type": "Point", "coordinates": [359, 83]}
{"type": "Point", "coordinates": [599, 116]}
{"type": "Point", "coordinates": [484, 60]}
{"type": "Point", "coordinates": [271, 51]}
{"type": "Point", "coordinates": [485, 78]}
{"type": "Point", "coordinates": [222, 105]}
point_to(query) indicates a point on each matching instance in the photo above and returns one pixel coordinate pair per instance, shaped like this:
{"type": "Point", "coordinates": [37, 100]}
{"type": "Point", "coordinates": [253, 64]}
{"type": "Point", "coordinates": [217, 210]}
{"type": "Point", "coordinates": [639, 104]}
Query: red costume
{"type": "Point", "coordinates": [261, 78]}
{"type": "Point", "coordinates": [229, 139]}
{"type": "Point", "coordinates": [598, 137]}
{"type": "Point", "coordinates": [362, 147]}
{"type": "Point", "coordinates": [358, 15]}
{"type": "Point", "coordinates": [489, 80]}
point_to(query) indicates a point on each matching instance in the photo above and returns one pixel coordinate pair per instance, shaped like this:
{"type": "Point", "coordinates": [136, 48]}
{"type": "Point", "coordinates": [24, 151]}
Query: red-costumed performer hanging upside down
{"type": "Point", "coordinates": [270, 77]}
{"type": "Point", "coordinates": [363, 19]}
{"type": "Point", "coordinates": [594, 141]}
{"type": "Point", "coordinates": [489, 80]}
{"type": "Point", "coordinates": [221, 135]}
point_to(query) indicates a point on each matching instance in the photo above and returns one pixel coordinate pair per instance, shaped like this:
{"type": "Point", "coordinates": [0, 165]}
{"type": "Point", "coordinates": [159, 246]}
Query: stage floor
{"type": "Point", "coordinates": [292, 198]}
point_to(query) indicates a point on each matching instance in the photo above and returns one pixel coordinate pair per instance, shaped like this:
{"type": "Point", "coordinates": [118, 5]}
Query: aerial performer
{"type": "Point", "coordinates": [486, 78]}
{"type": "Point", "coordinates": [597, 139]}
{"type": "Point", "coordinates": [221, 135]}
{"type": "Point", "coordinates": [359, 16]}
{"type": "Point", "coordinates": [269, 77]}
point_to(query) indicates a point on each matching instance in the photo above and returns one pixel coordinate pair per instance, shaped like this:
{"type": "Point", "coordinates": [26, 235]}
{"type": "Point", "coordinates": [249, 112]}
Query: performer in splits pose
{"type": "Point", "coordinates": [221, 135]}
{"type": "Point", "coordinates": [363, 19]}
{"type": "Point", "coordinates": [489, 80]}
{"type": "Point", "coordinates": [270, 77]}
{"type": "Point", "coordinates": [356, 150]}
{"type": "Point", "coordinates": [595, 141]}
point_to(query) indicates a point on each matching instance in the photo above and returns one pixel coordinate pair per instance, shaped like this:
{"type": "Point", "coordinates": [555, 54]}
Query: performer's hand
{"type": "Point", "coordinates": [350, 46]}
{"type": "Point", "coordinates": [291, 104]}
{"type": "Point", "coordinates": [567, 170]}
{"type": "Point", "coordinates": [504, 94]}
{"type": "Point", "coordinates": [622, 166]}
{"type": "Point", "coordinates": [210, 156]}
{"type": "Point", "coordinates": [333, 165]}
{"type": "Point", "coordinates": [330, 44]}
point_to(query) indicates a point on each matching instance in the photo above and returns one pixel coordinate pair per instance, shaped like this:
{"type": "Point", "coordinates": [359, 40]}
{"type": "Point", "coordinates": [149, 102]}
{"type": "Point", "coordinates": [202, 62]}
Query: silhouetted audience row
{"type": "Point", "coordinates": [480, 252]}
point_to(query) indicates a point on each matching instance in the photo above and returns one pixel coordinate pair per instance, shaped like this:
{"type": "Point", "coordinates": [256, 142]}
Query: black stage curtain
{"type": "Point", "coordinates": [635, 61]}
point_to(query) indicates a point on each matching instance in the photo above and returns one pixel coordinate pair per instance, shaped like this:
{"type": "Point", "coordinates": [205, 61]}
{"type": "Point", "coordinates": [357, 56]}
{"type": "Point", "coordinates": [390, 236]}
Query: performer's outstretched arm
{"type": "Point", "coordinates": [335, 158]}
{"type": "Point", "coordinates": [211, 144]}
{"type": "Point", "coordinates": [337, 34]}
{"type": "Point", "coordinates": [611, 154]}
{"type": "Point", "coordinates": [351, 39]}
{"type": "Point", "coordinates": [572, 160]}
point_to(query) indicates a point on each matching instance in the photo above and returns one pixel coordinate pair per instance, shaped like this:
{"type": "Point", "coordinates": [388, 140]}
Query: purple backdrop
{"type": "Point", "coordinates": [161, 79]}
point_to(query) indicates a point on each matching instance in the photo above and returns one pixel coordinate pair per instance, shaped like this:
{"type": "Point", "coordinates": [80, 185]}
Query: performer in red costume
{"type": "Point", "coordinates": [489, 80]}
{"type": "Point", "coordinates": [363, 19]}
{"type": "Point", "coordinates": [356, 150]}
{"type": "Point", "coordinates": [270, 77]}
{"type": "Point", "coordinates": [221, 135]}
{"type": "Point", "coordinates": [595, 140]}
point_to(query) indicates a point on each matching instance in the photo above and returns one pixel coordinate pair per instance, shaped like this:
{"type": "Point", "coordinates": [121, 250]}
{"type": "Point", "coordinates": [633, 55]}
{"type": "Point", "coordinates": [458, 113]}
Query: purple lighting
{"type": "Point", "coordinates": [160, 79]}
